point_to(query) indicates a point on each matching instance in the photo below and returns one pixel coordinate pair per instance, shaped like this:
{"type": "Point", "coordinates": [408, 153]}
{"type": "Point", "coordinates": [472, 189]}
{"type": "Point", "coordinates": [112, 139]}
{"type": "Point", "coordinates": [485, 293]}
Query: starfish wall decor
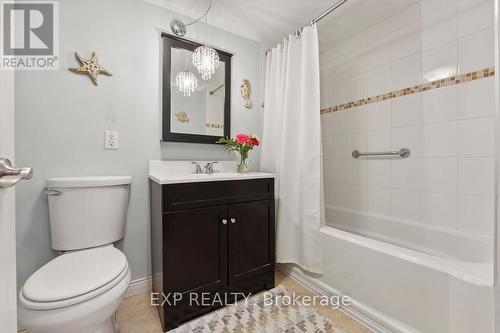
{"type": "Point", "coordinates": [89, 67]}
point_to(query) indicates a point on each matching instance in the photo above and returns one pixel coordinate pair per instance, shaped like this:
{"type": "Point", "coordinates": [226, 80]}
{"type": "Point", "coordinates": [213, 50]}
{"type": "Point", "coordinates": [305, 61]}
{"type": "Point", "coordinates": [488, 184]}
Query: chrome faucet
{"type": "Point", "coordinates": [209, 167]}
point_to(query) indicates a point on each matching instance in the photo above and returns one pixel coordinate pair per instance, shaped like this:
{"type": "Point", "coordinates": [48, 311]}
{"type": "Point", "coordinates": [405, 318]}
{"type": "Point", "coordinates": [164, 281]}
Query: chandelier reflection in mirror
{"type": "Point", "coordinates": [206, 61]}
{"type": "Point", "coordinates": [186, 81]}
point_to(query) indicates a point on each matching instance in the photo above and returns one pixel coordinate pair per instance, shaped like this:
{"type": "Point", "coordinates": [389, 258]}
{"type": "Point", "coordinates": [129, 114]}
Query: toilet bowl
{"type": "Point", "coordinates": [76, 292]}
{"type": "Point", "coordinates": [80, 290]}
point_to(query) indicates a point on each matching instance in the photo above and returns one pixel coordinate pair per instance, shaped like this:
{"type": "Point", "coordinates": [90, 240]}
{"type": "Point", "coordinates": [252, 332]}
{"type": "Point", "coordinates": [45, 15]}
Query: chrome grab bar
{"type": "Point", "coordinates": [403, 153]}
{"type": "Point", "coordinates": [9, 176]}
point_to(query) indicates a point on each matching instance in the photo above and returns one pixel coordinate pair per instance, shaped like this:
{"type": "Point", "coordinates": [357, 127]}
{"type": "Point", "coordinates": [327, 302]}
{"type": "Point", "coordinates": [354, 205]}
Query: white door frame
{"type": "Point", "coordinates": [8, 290]}
{"type": "Point", "coordinates": [496, 285]}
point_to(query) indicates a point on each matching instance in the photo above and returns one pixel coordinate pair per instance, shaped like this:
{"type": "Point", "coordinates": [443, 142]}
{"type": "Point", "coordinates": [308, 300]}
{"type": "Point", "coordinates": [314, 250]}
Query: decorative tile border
{"type": "Point", "coordinates": [209, 125]}
{"type": "Point", "coordinates": [449, 81]}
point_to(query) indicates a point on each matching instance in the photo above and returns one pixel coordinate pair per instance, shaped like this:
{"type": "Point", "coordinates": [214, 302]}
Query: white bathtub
{"type": "Point", "coordinates": [407, 277]}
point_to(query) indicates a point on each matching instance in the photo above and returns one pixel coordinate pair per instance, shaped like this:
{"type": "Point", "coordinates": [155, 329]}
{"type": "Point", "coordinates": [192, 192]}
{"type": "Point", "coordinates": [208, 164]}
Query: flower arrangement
{"type": "Point", "coordinates": [241, 143]}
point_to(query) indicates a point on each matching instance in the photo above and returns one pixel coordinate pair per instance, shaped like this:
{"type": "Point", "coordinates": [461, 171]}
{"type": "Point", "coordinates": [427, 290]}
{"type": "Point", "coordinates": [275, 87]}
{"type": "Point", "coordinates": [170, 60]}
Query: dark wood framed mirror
{"type": "Point", "coordinates": [203, 116]}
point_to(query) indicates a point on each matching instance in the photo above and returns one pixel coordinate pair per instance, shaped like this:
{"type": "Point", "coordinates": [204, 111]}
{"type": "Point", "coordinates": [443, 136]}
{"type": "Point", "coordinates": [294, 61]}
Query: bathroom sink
{"type": "Point", "coordinates": [172, 172]}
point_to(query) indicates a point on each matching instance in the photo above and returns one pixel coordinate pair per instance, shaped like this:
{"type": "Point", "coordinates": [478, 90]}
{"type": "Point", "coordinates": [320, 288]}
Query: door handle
{"type": "Point", "coordinates": [233, 220]}
{"type": "Point", "coordinates": [9, 176]}
{"type": "Point", "coordinates": [224, 221]}
{"type": "Point", "coordinates": [52, 192]}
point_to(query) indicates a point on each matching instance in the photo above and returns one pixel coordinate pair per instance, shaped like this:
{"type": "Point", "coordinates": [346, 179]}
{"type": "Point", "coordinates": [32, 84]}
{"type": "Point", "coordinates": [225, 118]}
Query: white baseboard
{"type": "Point", "coordinates": [139, 286]}
{"type": "Point", "coordinates": [368, 318]}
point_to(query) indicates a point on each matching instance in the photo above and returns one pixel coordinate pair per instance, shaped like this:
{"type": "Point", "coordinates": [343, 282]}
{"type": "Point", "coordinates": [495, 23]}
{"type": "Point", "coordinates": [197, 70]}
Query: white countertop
{"type": "Point", "coordinates": [174, 172]}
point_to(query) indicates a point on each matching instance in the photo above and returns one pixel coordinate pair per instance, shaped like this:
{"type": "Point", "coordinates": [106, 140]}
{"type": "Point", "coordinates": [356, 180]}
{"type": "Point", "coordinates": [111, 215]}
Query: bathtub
{"type": "Point", "coordinates": [405, 277]}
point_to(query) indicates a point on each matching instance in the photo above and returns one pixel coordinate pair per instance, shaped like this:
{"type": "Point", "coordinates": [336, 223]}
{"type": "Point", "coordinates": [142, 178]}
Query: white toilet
{"type": "Point", "coordinates": [80, 290]}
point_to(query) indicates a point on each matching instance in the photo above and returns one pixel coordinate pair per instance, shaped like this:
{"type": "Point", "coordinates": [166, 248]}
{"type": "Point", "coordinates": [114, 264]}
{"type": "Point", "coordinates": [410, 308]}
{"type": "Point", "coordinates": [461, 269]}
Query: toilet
{"type": "Point", "coordinates": [80, 290]}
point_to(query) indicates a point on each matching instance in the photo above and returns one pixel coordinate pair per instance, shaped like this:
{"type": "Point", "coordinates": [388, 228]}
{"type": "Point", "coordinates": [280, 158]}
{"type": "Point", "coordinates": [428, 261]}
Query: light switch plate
{"type": "Point", "coordinates": [110, 139]}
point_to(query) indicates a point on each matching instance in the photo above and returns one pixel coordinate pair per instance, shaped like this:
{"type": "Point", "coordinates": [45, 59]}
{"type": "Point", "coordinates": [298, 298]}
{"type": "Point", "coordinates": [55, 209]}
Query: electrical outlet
{"type": "Point", "coordinates": [110, 139]}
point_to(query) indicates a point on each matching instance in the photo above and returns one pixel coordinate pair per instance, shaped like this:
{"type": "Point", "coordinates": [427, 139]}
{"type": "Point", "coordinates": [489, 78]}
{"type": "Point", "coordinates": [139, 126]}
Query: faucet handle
{"type": "Point", "coordinates": [198, 167]}
{"type": "Point", "coordinates": [209, 167]}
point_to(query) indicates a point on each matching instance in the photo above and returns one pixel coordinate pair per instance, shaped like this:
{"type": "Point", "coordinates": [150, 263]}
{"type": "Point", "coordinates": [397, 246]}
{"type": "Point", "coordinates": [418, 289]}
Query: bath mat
{"type": "Point", "coordinates": [258, 316]}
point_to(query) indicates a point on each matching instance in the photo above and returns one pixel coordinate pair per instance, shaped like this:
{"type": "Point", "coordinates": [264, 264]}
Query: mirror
{"type": "Point", "coordinates": [194, 110]}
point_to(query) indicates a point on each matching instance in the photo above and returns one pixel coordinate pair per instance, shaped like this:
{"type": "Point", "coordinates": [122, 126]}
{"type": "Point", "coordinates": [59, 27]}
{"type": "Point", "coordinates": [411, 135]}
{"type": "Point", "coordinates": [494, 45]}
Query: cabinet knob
{"type": "Point", "coordinates": [224, 221]}
{"type": "Point", "coordinates": [233, 220]}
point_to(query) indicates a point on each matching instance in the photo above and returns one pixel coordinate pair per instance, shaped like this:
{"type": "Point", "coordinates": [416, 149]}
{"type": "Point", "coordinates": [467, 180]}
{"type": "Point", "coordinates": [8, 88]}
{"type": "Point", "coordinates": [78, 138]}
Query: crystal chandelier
{"type": "Point", "coordinates": [206, 61]}
{"type": "Point", "coordinates": [205, 58]}
{"type": "Point", "coordinates": [186, 81]}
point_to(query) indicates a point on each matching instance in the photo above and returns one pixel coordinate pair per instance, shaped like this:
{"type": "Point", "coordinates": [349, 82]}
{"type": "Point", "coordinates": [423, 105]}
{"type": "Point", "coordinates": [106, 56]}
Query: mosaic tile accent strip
{"type": "Point", "coordinates": [449, 81]}
{"type": "Point", "coordinates": [209, 125]}
{"type": "Point", "coordinates": [259, 317]}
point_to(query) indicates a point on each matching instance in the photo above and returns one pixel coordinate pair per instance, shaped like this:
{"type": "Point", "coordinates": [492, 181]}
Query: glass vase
{"type": "Point", "coordinates": [242, 167]}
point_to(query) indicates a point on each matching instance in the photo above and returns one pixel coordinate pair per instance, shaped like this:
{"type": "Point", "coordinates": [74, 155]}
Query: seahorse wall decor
{"type": "Point", "coordinates": [245, 93]}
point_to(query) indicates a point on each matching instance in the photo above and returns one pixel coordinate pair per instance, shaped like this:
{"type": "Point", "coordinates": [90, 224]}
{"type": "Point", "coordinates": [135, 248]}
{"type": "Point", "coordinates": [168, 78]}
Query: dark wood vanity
{"type": "Point", "coordinates": [210, 240]}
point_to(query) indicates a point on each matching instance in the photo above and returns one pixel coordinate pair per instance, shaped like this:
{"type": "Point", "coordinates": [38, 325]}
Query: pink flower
{"type": "Point", "coordinates": [242, 138]}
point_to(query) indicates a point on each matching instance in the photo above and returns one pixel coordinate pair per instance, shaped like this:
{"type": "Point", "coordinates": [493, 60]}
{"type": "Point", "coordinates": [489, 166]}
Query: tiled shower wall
{"type": "Point", "coordinates": [448, 181]}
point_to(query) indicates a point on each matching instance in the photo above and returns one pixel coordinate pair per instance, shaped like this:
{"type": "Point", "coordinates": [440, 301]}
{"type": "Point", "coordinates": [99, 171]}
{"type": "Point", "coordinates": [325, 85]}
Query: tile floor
{"type": "Point", "coordinates": [135, 315]}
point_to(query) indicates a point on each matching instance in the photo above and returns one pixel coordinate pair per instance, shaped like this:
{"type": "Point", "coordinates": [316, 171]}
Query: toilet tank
{"type": "Point", "coordinates": [87, 211]}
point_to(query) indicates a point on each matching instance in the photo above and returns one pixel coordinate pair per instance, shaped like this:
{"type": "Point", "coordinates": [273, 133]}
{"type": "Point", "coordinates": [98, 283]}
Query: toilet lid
{"type": "Point", "coordinates": [75, 273]}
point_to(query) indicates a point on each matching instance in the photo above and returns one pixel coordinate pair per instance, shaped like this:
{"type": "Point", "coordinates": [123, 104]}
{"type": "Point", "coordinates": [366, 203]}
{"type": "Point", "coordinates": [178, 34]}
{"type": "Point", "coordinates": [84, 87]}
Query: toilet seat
{"type": "Point", "coordinates": [73, 278]}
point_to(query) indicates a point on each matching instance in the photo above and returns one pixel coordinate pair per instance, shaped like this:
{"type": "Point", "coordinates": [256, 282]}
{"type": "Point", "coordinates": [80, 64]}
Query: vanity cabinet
{"type": "Point", "coordinates": [211, 241]}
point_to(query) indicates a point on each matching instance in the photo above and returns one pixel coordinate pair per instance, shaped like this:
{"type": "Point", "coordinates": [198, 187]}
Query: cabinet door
{"type": "Point", "coordinates": [194, 249]}
{"type": "Point", "coordinates": [194, 259]}
{"type": "Point", "coordinates": [251, 240]}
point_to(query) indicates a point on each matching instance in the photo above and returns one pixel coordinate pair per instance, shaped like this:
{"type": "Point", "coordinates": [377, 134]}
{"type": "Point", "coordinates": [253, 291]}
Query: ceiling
{"type": "Point", "coordinates": [272, 20]}
{"type": "Point", "coordinates": [356, 16]}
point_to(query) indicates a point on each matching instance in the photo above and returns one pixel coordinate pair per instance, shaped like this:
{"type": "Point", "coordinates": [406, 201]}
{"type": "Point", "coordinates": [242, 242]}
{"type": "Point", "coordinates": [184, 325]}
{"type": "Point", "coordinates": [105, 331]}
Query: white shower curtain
{"type": "Point", "coordinates": [291, 147]}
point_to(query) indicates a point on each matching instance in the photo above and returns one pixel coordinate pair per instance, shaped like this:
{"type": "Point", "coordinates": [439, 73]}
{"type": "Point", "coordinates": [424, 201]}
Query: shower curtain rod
{"type": "Point", "coordinates": [320, 17]}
